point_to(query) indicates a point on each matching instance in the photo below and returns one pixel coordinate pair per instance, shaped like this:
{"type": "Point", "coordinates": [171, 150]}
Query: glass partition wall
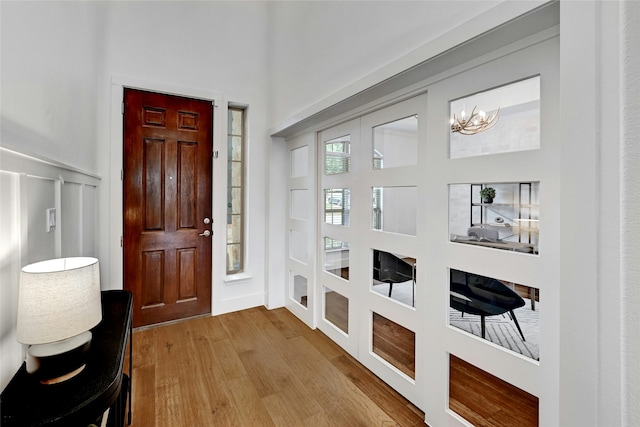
{"type": "Point", "coordinates": [429, 238]}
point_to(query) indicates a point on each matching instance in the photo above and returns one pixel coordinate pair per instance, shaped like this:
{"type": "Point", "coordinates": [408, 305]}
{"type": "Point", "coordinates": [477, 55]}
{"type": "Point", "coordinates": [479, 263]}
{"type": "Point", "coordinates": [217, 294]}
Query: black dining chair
{"type": "Point", "coordinates": [483, 296]}
{"type": "Point", "coordinates": [388, 268]}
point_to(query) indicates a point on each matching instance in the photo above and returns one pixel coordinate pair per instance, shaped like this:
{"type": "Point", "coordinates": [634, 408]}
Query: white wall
{"type": "Point", "coordinates": [318, 48]}
{"type": "Point", "coordinates": [48, 108]}
{"type": "Point", "coordinates": [600, 82]}
{"type": "Point", "coordinates": [49, 80]}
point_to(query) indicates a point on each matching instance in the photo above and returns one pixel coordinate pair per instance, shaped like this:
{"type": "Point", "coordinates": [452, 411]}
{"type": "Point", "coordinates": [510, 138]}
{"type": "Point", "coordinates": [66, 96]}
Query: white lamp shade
{"type": "Point", "coordinates": [58, 299]}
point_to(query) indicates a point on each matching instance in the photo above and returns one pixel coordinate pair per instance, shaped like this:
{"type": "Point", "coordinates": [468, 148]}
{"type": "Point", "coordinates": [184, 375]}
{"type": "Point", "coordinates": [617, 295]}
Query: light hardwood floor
{"type": "Point", "coordinates": [255, 368]}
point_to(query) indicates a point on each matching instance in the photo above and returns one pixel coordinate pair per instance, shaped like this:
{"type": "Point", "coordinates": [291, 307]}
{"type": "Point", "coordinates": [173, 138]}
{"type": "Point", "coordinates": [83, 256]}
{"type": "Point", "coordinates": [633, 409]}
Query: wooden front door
{"type": "Point", "coordinates": [167, 205]}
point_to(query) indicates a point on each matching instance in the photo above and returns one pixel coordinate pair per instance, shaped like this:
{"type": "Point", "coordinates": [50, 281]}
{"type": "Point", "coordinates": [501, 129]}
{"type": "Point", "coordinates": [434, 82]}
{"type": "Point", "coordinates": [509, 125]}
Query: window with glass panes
{"type": "Point", "coordinates": [235, 190]}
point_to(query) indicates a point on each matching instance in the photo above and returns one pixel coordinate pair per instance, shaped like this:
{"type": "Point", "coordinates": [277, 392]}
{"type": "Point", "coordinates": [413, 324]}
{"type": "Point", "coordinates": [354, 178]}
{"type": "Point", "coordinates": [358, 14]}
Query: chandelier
{"type": "Point", "coordinates": [475, 123]}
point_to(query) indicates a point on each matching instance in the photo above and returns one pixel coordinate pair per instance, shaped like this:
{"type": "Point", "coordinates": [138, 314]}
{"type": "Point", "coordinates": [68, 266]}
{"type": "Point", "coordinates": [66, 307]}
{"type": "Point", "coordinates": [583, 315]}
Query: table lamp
{"type": "Point", "coordinates": [59, 302]}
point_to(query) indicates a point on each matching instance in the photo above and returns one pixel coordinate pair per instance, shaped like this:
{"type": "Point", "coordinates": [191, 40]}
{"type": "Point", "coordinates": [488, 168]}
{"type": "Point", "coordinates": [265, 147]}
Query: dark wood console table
{"type": "Point", "coordinates": [82, 399]}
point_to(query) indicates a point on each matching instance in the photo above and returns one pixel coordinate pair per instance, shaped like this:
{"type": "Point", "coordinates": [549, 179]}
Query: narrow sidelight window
{"type": "Point", "coordinates": [235, 190]}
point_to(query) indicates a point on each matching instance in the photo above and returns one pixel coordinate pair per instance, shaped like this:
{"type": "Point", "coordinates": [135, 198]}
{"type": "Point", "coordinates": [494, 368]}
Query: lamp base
{"type": "Point", "coordinates": [63, 378]}
{"type": "Point", "coordinates": [59, 361]}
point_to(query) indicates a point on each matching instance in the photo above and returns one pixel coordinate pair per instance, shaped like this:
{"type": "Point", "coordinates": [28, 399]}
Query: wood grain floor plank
{"type": "Point", "coordinates": [317, 420]}
{"type": "Point", "coordinates": [268, 376]}
{"type": "Point", "coordinates": [251, 409]}
{"type": "Point", "coordinates": [243, 338]}
{"type": "Point", "coordinates": [145, 349]}
{"type": "Point", "coordinates": [143, 391]}
{"type": "Point", "coordinates": [281, 320]}
{"type": "Point", "coordinates": [169, 406]}
{"type": "Point", "coordinates": [195, 402]}
{"type": "Point", "coordinates": [281, 411]}
{"type": "Point", "coordinates": [227, 359]}
{"type": "Point", "coordinates": [216, 390]}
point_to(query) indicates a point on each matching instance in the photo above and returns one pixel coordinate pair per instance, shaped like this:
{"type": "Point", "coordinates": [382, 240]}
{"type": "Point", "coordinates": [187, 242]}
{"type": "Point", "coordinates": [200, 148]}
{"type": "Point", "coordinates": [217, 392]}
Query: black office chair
{"type": "Point", "coordinates": [388, 268]}
{"type": "Point", "coordinates": [483, 296]}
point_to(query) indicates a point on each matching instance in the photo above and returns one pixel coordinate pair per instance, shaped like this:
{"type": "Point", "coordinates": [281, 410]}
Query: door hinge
{"type": "Point", "coordinates": [121, 174]}
{"type": "Point", "coordinates": [122, 108]}
{"type": "Point", "coordinates": [121, 243]}
{"type": "Point", "coordinates": [215, 154]}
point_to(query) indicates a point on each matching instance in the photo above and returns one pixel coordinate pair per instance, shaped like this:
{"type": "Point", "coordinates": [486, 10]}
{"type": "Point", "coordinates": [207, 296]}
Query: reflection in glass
{"type": "Point", "coordinates": [336, 309]}
{"type": "Point", "coordinates": [235, 147]}
{"type": "Point", "coordinates": [395, 344]}
{"type": "Point", "coordinates": [510, 221]}
{"type": "Point", "coordinates": [518, 126]}
{"type": "Point", "coordinates": [337, 155]}
{"type": "Point", "coordinates": [235, 174]}
{"type": "Point", "coordinates": [234, 256]}
{"type": "Point", "coordinates": [395, 144]}
{"type": "Point", "coordinates": [298, 246]}
{"type": "Point", "coordinates": [234, 230]}
{"type": "Point", "coordinates": [235, 124]}
{"type": "Point", "coordinates": [337, 205]}
{"type": "Point", "coordinates": [394, 209]}
{"type": "Point", "coordinates": [394, 276]}
{"type": "Point", "coordinates": [336, 257]}
{"type": "Point", "coordinates": [300, 162]}
{"type": "Point", "coordinates": [236, 200]}
{"type": "Point", "coordinates": [298, 288]}
{"type": "Point", "coordinates": [300, 204]}
{"type": "Point", "coordinates": [504, 313]}
{"type": "Point", "coordinates": [463, 377]}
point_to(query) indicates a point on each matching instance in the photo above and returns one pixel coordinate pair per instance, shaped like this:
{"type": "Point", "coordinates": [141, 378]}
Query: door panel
{"type": "Point", "coordinates": [300, 223]}
{"type": "Point", "coordinates": [367, 306]}
{"type": "Point", "coordinates": [167, 192]}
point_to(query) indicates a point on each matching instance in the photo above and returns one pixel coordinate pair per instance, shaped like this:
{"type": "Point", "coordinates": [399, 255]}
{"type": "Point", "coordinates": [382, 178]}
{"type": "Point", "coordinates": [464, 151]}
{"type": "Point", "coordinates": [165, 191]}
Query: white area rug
{"type": "Point", "coordinates": [501, 330]}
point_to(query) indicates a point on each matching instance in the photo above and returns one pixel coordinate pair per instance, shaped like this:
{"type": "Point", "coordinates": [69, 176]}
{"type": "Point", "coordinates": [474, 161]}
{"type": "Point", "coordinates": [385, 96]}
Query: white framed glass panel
{"type": "Point", "coordinates": [298, 290]}
{"type": "Point", "coordinates": [336, 309]}
{"type": "Point", "coordinates": [300, 162]}
{"type": "Point", "coordinates": [395, 144]}
{"type": "Point", "coordinates": [337, 206]}
{"type": "Point", "coordinates": [394, 344]}
{"type": "Point", "coordinates": [394, 209]}
{"type": "Point", "coordinates": [517, 124]}
{"type": "Point", "coordinates": [298, 246]}
{"type": "Point", "coordinates": [503, 216]}
{"type": "Point", "coordinates": [300, 204]}
{"type": "Point", "coordinates": [394, 276]}
{"type": "Point", "coordinates": [505, 313]}
{"type": "Point", "coordinates": [337, 155]}
{"type": "Point", "coordinates": [336, 257]}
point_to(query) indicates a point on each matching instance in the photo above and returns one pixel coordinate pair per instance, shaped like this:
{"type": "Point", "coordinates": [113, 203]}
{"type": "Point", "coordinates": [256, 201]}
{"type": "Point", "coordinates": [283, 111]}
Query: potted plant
{"type": "Point", "coordinates": [487, 194]}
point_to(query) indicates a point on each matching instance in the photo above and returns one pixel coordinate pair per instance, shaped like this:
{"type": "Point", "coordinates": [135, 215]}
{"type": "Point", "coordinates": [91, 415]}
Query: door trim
{"type": "Point", "coordinates": [112, 225]}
